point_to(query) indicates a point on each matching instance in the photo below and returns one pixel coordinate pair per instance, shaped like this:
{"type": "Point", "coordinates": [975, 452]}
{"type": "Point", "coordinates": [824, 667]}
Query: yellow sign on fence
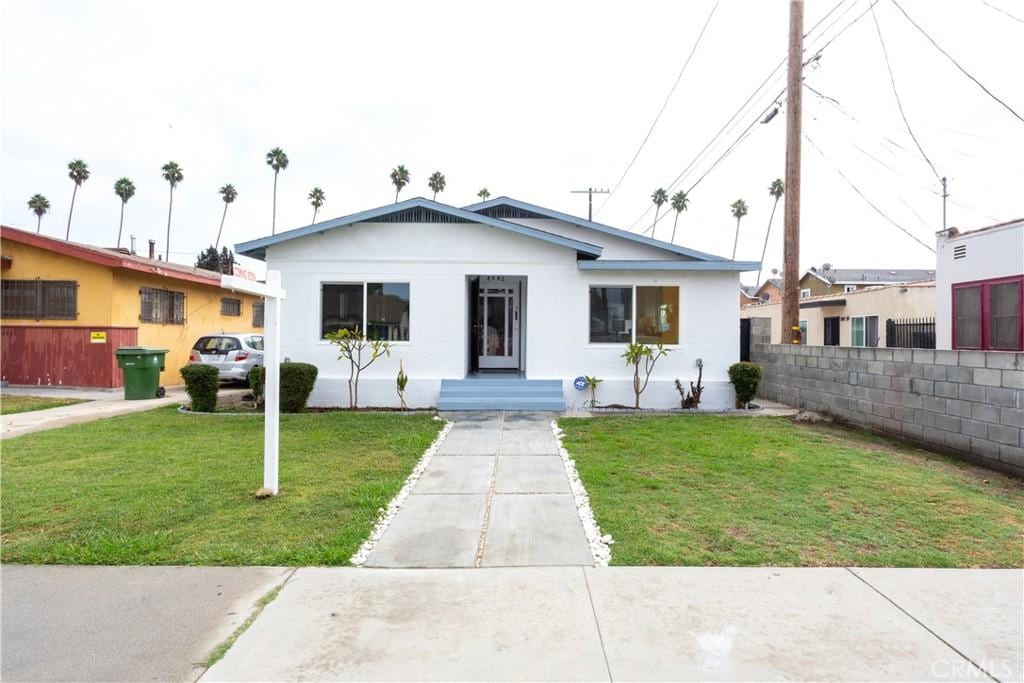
{"type": "Point", "coordinates": [98, 337]}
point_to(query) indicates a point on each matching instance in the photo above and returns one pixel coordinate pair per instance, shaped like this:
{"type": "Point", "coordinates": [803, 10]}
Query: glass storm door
{"type": "Point", "coordinates": [498, 313]}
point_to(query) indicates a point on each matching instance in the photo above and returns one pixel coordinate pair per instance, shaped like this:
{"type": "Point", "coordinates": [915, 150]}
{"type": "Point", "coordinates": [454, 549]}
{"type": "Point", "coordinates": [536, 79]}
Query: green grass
{"type": "Point", "coordinates": [160, 487]}
{"type": "Point", "coordinates": [23, 404]}
{"type": "Point", "coordinates": [715, 490]}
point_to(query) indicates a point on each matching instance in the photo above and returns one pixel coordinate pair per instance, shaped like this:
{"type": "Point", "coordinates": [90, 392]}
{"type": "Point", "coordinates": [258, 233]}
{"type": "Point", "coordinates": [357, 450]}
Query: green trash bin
{"type": "Point", "coordinates": [141, 367]}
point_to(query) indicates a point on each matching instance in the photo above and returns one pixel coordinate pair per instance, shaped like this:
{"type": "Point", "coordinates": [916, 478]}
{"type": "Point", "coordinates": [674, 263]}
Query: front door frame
{"type": "Point", "coordinates": [513, 322]}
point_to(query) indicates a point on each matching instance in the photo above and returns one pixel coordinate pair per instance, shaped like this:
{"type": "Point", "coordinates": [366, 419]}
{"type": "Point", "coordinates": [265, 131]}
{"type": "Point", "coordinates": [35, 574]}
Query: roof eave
{"type": "Point", "coordinates": [703, 266]}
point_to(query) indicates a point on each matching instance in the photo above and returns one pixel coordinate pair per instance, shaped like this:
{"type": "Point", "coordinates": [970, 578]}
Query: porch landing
{"type": "Point", "coordinates": [501, 392]}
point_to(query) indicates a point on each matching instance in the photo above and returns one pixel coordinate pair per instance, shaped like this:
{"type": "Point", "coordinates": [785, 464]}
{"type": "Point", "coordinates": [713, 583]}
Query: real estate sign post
{"type": "Point", "coordinates": [273, 294]}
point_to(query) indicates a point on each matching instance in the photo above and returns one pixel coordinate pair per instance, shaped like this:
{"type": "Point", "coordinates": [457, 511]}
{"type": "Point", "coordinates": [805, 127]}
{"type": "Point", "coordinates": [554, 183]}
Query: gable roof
{"type": "Point", "coordinates": [415, 210]}
{"type": "Point", "coordinates": [111, 258]}
{"type": "Point", "coordinates": [864, 276]}
{"type": "Point", "coordinates": [541, 212]}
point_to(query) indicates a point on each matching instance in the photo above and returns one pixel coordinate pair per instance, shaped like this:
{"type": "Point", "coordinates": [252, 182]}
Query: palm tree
{"type": "Point", "coordinates": [277, 160]}
{"type": "Point", "coordinates": [680, 202]}
{"type": "Point", "coordinates": [483, 194]}
{"type": "Point", "coordinates": [317, 198]}
{"type": "Point", "coordinates": [436, 183]}
{"type": "Point", "coordinates": [739, 210]}
{"type": "Point", "coordinates": [172, 173]}
{"type": "Point", "coordinates": [229, 194]}
{"type": "Point", "coordinates": [659, 197]}
{"type": "Point", "coordinates": [78, 171]}
{"type": "Point", "coordinates": [776, 189]}
{"type": "Point", "coordinates": [125, 189]}
{"type": "Point", "coordinates": [399, 178]}
{"type": "Point", "coordinates": [39, 205]}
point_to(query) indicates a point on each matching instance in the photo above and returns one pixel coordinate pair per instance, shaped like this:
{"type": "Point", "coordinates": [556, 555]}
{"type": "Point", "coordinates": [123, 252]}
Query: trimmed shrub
{"type": "Point", "coordinates": [297, 380]}
{"type": "Point", "coordinates": [201, 384]}
{"type": "Point", "coordinates": [744, 377]}
{"type": "Point", "coordinates": [257, 377]}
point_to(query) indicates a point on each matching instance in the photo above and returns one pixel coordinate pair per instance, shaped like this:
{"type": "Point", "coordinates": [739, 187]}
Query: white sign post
{"type": "Point", "coordinates": [273, 295]}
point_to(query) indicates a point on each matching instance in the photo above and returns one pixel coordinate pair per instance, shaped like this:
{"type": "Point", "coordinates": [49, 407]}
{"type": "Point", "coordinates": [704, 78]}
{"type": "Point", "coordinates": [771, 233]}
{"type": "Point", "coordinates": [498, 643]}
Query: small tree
{"type": "Point", "coordinates": [401, 382]}
{"type": "Point", "coordinates": [218, 262]}
{"type": "Point", "coordinates": [352, 345]}
{"type": "Point", "coordinates": [634, 355]}
{"type": "Point", "coordinates": [592, 383]}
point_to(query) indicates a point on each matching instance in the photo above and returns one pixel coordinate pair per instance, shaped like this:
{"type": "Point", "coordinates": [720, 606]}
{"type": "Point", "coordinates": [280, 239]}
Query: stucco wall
{"type": "Point", "coordinates": [436, 259]}
{"type": "Point", "coordinates": [95, 283]}
{"type": "Point", "coordinates": [993, 253]}
{"type": "Point", "coordinates": [896, 301]}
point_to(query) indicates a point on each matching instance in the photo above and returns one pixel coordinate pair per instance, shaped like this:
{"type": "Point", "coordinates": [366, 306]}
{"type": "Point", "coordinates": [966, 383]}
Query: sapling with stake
{"type": "Point", "coordinates": [634, 355]}
{"type": "Point", "coordinates": [351, 346]}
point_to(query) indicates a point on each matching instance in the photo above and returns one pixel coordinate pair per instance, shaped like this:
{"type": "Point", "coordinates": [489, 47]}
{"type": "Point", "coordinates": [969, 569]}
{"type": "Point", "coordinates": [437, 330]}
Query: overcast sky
{"type": "Point", "coordinates": [528, 99]}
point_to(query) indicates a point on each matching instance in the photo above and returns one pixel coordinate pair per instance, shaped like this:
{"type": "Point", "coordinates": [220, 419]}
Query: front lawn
{"type": "Point", "coordinates": [23, 404]}
{"type": "Point", "coordinates": [717, 490]}
{"type": "Point", "coordinates": [160, 487]}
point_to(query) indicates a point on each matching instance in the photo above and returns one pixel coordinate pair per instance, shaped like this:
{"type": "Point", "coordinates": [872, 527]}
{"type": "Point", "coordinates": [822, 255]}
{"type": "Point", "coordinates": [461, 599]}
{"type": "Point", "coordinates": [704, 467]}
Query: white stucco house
{"type": "Point", "coordinates": [502, 304]}
{"type": "Point", "coordinates": [979, 288]}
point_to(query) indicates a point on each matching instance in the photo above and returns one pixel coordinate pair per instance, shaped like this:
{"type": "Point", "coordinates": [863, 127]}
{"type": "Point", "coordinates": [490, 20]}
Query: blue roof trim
{"type": "Point", "coordinates": [739, 266]}
{"type": "Point", "coordinates": [258, 248]}
{"type": "Point", "coordinates": [599, 227]}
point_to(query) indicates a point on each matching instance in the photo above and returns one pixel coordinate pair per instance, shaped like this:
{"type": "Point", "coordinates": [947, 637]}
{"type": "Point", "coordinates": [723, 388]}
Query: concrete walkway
{"type": "Point", "coordinates": [100, 404]}
{"type": "Point", "coordinates": [495, 495]}
{"type": "Point", "coordinates": [631, 624]}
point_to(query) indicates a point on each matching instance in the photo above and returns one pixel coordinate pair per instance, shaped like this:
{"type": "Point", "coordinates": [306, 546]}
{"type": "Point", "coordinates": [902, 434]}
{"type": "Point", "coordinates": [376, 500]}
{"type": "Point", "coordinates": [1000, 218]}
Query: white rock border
{"type": "Point", "coordinates": [600, 545]}
{"type": "Point", "coordinates": [387, 514]}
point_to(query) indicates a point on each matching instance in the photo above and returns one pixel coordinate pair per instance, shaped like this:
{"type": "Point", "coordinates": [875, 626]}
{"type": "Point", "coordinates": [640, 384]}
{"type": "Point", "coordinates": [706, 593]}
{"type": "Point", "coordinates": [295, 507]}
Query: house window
{"type": "Point", "coordinates": [387, 311]}
{"type": "Point", "coordinates": [258, 309]}
{"type": "Point", "coordinates": [230, 306]}
{"type": "Point", "coordinates": [849, 288]}
{"type": "Point", "coordinates": [864, 330]}
{"type": "Point", "coordinates": [611, 315]}
{"type": "Point", "coordinates": [988, 315]}
{"type": "Point", "coordinates": [832, 331]}
{"type": "Point", "coordinates": [648, 315]}
{"type": "Point", "coordinates": [766, 297]}
{"type": "Point", "coordinates": [803, 332]}
{"type": "Point", "coordinates": [162, 306]}
{"type": "Point", "coordinates": [805, 294]}
{"type": "Point", "coordinates": [381, 309]}
{"type": "Point", "coordinates": [40, 299]}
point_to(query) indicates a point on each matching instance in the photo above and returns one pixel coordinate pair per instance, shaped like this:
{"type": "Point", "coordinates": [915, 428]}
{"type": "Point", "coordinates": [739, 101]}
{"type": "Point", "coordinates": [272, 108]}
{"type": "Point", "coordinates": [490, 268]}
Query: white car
{"type": "Point", "coordinates": [232, 354]}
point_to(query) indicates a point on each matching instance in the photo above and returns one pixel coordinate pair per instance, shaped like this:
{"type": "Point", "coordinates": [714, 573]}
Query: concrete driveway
{"type": "Point", "coordinates": [121, 623]}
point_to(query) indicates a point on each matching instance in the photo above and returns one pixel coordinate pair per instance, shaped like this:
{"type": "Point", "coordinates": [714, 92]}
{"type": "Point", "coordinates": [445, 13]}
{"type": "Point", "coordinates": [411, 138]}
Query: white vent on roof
{"type": "Point", "coordinates": [959, 251]}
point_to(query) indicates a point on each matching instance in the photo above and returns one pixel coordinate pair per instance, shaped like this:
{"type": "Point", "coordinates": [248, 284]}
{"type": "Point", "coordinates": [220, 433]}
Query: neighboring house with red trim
{"type": "Point", "coordinates": [980, 288]}
{"type": "Point", "coordinates": [66, 307]}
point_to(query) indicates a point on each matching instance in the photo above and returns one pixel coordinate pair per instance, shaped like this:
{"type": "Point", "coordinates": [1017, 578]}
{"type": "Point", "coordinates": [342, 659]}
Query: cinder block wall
{"type": "Point", "coordinates": [965, 403]}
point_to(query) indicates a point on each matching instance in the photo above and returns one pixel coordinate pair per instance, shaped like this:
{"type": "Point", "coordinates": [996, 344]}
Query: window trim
{"type": "Point", "coordinates": [877, 327]}
{"type": "Point", "coordinates": [986, 320]}
{"type": "Point", "coordinates": [632, 332]}
{"type": "Point", "coordinates": [224, 300]}
{"type": "Point", "coordinates": [805, 293]}
{"type": "Point", "coordinates": [320, 308]}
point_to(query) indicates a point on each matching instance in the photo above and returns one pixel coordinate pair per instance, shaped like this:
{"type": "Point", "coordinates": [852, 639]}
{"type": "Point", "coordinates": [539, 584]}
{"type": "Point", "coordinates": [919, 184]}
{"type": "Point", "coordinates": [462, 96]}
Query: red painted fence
{"type": "Point", "coordinates": [68, 356]}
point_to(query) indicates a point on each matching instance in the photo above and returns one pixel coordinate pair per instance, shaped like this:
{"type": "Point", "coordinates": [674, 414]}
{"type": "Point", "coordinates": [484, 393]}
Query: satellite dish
{"type": "Point", "coordinates": [826, 266]}
{"type": "Point", "coordinates": [775, 271]}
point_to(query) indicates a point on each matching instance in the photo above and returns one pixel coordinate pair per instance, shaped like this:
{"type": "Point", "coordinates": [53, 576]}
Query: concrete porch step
{"type": "Point", "coordinates": [501, 394]}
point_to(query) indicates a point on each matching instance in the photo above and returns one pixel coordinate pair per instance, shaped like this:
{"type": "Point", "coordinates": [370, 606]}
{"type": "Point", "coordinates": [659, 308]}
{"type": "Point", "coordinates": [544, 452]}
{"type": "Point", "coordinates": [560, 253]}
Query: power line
{"type": "Point", "coordinates": [956, 63]}
{"type": "Point", "coordinates": [729, 124]}
{"type": "Point", "coordinates": [895, 92]}
{"type": "Point", "coordinates": [862, 196]}
{"type": "Point", "coordinates": [663, 106]}
{"type": "Point", "coordinates": [1002, 11]}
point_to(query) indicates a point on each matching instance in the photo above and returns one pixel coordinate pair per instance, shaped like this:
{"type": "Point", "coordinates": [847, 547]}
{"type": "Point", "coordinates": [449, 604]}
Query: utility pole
{"type": "Point", "coordinates": [590, 192]}
{"type": "Point", "coordinates": [945, 195]}
{"type": "Point", "coordinates": [794, 111]}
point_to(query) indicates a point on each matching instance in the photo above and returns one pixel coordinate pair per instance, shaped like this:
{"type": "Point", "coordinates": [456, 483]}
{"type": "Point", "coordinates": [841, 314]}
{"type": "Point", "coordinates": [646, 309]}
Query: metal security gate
{"type": "Point", "coordinates": [911, 333]}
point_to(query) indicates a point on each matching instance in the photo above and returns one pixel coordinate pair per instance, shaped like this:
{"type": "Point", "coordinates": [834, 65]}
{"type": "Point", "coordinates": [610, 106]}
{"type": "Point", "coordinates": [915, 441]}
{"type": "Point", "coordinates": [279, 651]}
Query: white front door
{"type": "Point", "coordinates": [498, 313]}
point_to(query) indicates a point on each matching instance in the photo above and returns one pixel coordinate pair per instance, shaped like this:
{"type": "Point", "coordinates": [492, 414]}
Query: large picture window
{"type": "Point", "coordinates": [39, 299]}
{"type": "Point", "coordinates": [380, 309]}
{"type": "Point", "coordinates": [162, 306]}
{"type": "Point", "coordinates": [648, 315]}
{"type": "Point", "coordinates": [988, 315]}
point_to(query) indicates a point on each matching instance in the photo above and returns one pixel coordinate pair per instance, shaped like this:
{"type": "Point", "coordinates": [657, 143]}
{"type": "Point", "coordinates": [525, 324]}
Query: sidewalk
{"type": "Point", "coordinates": [496, 494]}
{"type": "Point", "coordinates": [100, 404]}
{"type": "Point", "coordinates": [636, 623]}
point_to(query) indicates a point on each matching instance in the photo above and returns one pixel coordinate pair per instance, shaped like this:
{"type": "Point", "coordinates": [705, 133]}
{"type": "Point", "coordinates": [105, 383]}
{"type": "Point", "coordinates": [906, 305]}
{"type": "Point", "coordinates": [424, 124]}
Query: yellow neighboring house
{"type": "Point", "coordinates": [66, 307]}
